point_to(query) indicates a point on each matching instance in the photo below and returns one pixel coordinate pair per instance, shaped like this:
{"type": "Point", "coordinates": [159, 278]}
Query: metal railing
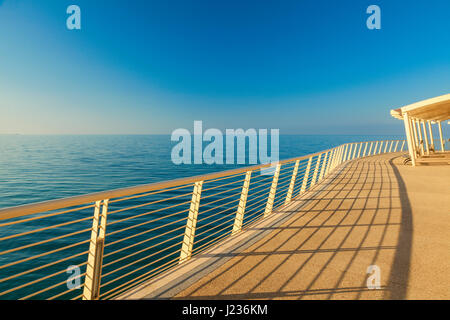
{"type": "Point", "coordinates": [100, 245]}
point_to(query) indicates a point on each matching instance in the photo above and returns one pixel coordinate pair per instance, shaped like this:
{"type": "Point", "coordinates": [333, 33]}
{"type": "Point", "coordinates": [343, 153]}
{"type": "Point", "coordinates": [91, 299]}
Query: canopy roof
{"type": "Point", "coordinates": [435, 109]}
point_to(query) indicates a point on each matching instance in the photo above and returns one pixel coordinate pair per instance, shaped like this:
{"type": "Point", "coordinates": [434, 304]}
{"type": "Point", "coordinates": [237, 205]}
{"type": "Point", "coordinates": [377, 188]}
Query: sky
{"type": "Point", "coordinates": [150, 67]}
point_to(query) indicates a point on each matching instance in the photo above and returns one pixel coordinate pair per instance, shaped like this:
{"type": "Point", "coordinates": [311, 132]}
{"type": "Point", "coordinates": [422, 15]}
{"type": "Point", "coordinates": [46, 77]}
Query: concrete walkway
{"type": "Point", "coordinates": [376, 211]}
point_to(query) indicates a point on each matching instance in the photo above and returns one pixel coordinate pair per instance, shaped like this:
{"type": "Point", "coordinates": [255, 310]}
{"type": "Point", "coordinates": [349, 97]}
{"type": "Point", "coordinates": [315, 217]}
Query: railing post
{"type": "Point", "coordinates": [191, 223]}
{"type": "Point", "coordinates": [292, 184]}
{"type": "Point", "coordinates": [369, 153]}
{"type": "Point", "coordinates": [91, 290]}
{"type": "Point", "coordinates": [354, 150]}
{"type": "Point", "coordinates": [306, 176]}
{"type": "Point", "coordinates": [375, 148]}
{"type": "Point", "coordinates": [322, 167]}
{"type": "Point", "coordinates": [330, 161]}
{"type": "Point", "coordinates": [242, 202]}
{"type": "Point", "coordinates": [336, 157]}
{"type": "Point", "coordinates": [316, 170]}
{"type": "Point", "coordinates": [272, 192]}
{"type": "Point", "coordinates": [341, 150]}
{"type": "Point", "coordinates": [365, 149]}
{"type": "Point", "coordinates": [396, 145]}
{"type": "Point", "coordinates": [359, 151]}
{"type": "Point", "coordinates": [391, 145]}
{"type": "Point", "coordinates": [341, 155]}
{"type": "Point", "coordinates": [385, 146]}
{"type": "Point", "coordinates": [344, 155]}
{"type": "Point", "coordinates": [349, 152]}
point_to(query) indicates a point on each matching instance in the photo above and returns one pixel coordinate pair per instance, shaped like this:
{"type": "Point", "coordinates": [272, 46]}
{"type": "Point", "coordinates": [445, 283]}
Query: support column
{"type": "Point", "coordinates": [431, 136]}
{"type": "Point", "coordinates": [441, 137]}
{"type": "Point", "coordinates": [425, 138]}
{"type": "Point", "coordinates": [409, 138]}
{"type": "Point", "coordinates": [419, 131]}
{"type": "Point", "coordinates": [414, 134]}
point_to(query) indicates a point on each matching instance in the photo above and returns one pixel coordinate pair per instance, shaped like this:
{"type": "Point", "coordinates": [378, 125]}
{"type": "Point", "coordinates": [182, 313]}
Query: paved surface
{"type": "Point", "coordinates": [376, 211]}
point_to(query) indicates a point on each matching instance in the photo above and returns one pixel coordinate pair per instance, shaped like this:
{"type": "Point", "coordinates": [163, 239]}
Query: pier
{"type": "Point", "coordinates": [362, 220]}
{"type": "Point", "coordinates": [373, 211]}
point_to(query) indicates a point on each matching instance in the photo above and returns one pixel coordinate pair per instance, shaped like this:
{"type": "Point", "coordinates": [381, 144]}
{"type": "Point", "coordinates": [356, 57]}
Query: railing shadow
{"type": "Point", "coordinates": [363, 217]}
{"type": "Point", "coordinates": [400, 267]}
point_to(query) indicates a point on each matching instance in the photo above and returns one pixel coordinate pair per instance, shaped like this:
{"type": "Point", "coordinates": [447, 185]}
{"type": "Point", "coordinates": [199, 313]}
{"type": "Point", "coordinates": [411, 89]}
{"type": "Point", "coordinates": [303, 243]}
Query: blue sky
{"type": "Point", "coordinates": [153, 66]}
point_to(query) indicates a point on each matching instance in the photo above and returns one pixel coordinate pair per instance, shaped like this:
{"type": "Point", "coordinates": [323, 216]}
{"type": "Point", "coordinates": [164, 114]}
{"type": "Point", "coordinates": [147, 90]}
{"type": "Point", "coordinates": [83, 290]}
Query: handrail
{"type": "Point", "coordinates": [161, 220]}
{"type": "Point", "coordinates": [27, 209]}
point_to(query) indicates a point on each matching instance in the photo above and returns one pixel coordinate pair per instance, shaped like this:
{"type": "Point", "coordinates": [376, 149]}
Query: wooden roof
{"type": "Point", "coordinates": [435, 109]}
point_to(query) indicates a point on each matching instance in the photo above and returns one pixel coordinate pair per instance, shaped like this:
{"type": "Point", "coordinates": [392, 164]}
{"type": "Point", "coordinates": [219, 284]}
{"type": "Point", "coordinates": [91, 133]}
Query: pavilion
{"type": "Point", "coordinates": [416, 118]}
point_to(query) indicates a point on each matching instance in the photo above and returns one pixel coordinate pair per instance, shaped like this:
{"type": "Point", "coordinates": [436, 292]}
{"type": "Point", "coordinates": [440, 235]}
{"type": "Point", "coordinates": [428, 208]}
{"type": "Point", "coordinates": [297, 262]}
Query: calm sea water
{"type": "Point", "coordinates": [38, 168]}
{"type": "Point", "coordinates": [43, 167]}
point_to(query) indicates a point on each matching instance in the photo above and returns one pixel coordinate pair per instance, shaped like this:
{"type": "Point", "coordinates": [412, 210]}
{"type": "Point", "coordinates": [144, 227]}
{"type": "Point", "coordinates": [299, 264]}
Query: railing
{"type": "Point", "coordinates": [100, 245]}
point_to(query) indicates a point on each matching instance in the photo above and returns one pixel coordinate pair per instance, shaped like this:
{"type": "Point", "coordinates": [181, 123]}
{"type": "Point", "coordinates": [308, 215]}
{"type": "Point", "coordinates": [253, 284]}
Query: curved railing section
{"type": "Point", "coordinates": [100, 245]}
